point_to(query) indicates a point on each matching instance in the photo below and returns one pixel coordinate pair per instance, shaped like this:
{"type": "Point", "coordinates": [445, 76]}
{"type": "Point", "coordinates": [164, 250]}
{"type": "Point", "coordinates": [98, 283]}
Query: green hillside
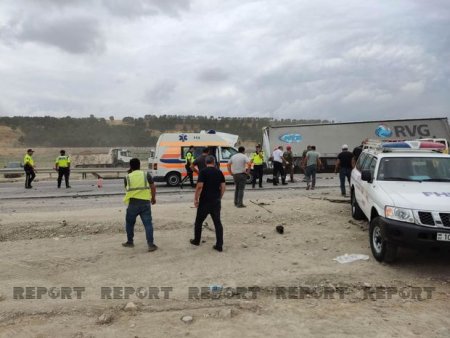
{"type": "Point", "coordinates": [139, 132]}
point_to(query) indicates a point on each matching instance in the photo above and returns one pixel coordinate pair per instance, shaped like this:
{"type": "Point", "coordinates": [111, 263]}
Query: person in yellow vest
{"type": "Point", "coordinates": [29, 167]}
{"type": "Point", "coordinates": [257, 159]}
{"type": "Point", "coordinates": [62, 165]}
{"type": "Point", "coordinates": [189, 172]}
{"type": "Point", "coordinates": [140, 192]}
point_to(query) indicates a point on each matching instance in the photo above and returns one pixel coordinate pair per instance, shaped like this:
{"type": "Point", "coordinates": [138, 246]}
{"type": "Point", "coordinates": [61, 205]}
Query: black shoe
{"type": "Point", "coordinates": [193, 242]}
{"type": "Point", "coordinates": [241, 206]}
{"type": "Point", "coordinates": [152, 247]}
{"type": "Point", "coordinates": [217, 248]}
{"type": "Point", "coordinates": [253, 186]}
{"type": "Point", "coordinates": [128, 244]}
{"type": "Point", "coordinates": [260, 186]}
{"type": "Point", "coordinates": [27, 187]}
{"type": "Point", "coordinates": [59, 187]}
{"type": "Point", "coordinates": [68, 187]}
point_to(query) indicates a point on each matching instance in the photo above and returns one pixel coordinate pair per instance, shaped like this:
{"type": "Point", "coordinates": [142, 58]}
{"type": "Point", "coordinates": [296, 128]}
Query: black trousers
{"type": "Point", "coordinates": [257, 174]}
{"type": "Point", "coordinates": [278, 170]}
{"type": "Point", "coordinates": [190, 175]}
{"type": "Point", "coordinates": [204, 209]}
{"type": "Point", "coordinates": [29, 177]}
{"type": "Point", "coordinates": [63, 172]}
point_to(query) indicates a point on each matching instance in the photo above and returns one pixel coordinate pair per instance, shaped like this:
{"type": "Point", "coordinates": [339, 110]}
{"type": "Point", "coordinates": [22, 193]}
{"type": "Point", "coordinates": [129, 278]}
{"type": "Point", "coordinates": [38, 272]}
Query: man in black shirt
{"type": "Point", "coordinates": [357, 151]}
{"type": "Point", "coordinates": [199, 163]}
{"type": "Point", "coordinates": [208, 195]}
{"type": "Point", "coordinates": [344, 166]}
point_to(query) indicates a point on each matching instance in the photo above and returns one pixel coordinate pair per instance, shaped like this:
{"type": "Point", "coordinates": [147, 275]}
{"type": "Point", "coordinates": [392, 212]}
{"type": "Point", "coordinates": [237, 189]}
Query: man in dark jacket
{"type": "Point", "coordinates": [208, 195]}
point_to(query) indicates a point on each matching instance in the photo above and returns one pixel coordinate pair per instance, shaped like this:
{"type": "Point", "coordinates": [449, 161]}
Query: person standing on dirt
{"type": "Point", "coordinates": [238, 166]}
{"type": "Point", "coordinates": [29, 167]}
{"type": "Point", "coordinates": [289, 166]}
{"type": "Point", "coordinates": [140, 193]}
{"type": "Point", "coordinates": [257, 159]}
{"type": "Point", "coordinates": [357, 151]}
{"type": "Point", "coordinates": [62, 165]}
{"type": "Point", "coordinates": [344, 167]}
{"type": "Point", "coordinates": [278, 161]}
{"type": "Point", "coordinates": [208, 196]}
{"type": "Point", "coordinates": [199, 163]}
{"type": "Point", "coordinates": [303, 161]}
{"type": "Point", "coordinates": [189, 172]}
{"type": "Point", "coordinates": [313, 163]}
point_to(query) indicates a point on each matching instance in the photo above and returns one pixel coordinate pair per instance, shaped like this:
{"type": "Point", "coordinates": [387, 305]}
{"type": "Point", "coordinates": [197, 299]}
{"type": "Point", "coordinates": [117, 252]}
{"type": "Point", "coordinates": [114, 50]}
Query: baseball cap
{"type": "Point", "coordinates": [30, 150]}
{"type": "Point", "coordinates": [344, 146]}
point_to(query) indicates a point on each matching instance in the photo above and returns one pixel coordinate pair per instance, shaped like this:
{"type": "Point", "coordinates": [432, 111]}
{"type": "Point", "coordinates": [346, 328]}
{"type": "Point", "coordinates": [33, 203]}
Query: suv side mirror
{"type": "Point", "coordinates": [366, 176]}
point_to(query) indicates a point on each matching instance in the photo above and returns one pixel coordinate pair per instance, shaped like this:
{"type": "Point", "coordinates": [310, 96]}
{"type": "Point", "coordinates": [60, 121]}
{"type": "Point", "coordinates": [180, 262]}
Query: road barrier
{"type": "Point", "coordinates": [97, 172]}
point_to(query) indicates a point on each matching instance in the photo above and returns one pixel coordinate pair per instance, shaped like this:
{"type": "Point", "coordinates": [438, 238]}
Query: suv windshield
{"type": "Point", "coordinates": [432, 169]}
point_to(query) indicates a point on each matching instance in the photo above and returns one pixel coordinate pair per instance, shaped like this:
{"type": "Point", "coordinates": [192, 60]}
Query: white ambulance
{"type": "Point", "coordinates": [167, 162]}
{"type": "Point", "coordinates": [403, 189]}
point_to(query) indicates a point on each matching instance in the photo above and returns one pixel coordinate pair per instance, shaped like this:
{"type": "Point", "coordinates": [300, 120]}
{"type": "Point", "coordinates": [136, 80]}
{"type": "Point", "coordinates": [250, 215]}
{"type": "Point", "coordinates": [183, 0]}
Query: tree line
{"type": "Point", "coordinates": [50, 131]}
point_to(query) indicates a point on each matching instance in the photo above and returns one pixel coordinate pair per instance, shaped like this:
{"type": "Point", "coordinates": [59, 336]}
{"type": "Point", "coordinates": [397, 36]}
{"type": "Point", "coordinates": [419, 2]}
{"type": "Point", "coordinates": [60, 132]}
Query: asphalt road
{"type": "Point", "coordinates": [82, 188]}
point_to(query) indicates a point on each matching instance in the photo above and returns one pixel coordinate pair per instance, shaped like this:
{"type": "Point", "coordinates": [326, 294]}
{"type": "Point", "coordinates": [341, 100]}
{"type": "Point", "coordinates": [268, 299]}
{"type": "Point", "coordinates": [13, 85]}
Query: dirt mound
{"type": "Point", "coordinates": [9, 137]}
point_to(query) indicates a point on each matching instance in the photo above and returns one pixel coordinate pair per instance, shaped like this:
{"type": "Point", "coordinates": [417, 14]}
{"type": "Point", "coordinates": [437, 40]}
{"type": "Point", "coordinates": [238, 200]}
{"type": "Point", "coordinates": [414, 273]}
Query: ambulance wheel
{"type": "Point", "coordinates": [173, 179]}
{"type": "Point", "coordinates": [382, 250]}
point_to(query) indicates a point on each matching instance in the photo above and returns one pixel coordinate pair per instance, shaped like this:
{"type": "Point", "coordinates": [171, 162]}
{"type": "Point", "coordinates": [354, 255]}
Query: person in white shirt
{"type": "Point", "coordinates": [278, 160]}
{"type": "Point", "coordinates": [238, 166]}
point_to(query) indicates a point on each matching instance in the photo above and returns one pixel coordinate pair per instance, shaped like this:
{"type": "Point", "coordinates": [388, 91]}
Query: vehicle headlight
{"type": "Point", "coordinates": [399, 214]}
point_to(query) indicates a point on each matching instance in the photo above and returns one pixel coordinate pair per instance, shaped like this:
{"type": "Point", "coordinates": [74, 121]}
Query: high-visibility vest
{"type": "Point", "coordinates": [258, 159]}
{"type": "Point", "coordinates": [62, 161]}
{"type": "Point", "coordinates": [28, 160]}
{"type": "Point", "coordinates": [137, 186]}
{"type": "Point", "coordinates": [189, 157]}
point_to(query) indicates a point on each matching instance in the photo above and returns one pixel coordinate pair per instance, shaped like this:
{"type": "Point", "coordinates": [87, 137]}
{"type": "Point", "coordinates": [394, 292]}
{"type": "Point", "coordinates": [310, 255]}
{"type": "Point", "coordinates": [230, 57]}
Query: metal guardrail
{"type": "Point", "coordinates": [98, 172]}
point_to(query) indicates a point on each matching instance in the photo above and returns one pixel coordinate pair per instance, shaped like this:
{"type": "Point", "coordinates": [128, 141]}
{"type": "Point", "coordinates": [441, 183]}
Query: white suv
{"type": "Point", "coordinates": [405, 195]}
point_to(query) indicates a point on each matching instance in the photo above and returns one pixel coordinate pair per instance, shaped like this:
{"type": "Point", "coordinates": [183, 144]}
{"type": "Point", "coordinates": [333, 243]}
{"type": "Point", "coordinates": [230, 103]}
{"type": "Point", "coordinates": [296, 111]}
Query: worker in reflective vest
{"type": "Point", "coordinates": [62, 165]}
{"type": "Point", "coordinates": [29, 167]}
{"type": "Point", "coordinates": [140, 192]}
{"type": "Point", "coordinates": [257, 159]}
{"type": "Point", "coordinates": [189, 172]}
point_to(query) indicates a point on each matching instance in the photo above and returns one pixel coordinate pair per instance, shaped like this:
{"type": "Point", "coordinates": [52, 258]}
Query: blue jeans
{"type": "Point", "coordinates": [144, 211]}
{"type": "Point", "coordinates": [310, 174]}
{"type": "Point", "coordinates": [343, 174]}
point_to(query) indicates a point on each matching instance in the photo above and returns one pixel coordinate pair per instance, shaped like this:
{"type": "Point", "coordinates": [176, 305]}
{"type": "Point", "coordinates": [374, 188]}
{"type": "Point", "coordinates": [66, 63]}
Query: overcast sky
{"type": "Point", "coordinates": [341, 60]}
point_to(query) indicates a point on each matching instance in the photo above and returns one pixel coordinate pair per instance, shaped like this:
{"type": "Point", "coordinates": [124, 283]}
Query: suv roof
{"type": "Point", "coordinates": [410, 153]}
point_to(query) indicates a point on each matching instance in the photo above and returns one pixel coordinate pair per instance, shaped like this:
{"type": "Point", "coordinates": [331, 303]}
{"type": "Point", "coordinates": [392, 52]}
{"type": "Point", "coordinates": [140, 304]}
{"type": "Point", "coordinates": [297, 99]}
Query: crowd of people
{"type": "Point", "coordinates": [210, 187]}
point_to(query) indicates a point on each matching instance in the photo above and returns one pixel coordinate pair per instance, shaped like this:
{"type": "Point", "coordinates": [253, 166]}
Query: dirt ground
{"type": "Point", "coordinates": [76, 243]}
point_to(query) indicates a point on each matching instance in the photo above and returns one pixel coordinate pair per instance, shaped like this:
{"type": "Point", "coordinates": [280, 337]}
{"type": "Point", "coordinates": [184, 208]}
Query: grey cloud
{"type": "Point", "coordinates": [161, 92]}
{"type": "Point", "coordinates": [74, 34]}
{"type": "Point", "coordinates": [213, 75]}
{"type": "Point", "coordinates": [136, 8]}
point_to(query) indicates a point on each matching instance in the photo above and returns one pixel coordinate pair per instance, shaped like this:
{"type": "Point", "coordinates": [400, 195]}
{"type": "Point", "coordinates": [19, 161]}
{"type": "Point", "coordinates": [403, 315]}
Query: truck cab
{"type": "Point", "coordinates": [120, 157]}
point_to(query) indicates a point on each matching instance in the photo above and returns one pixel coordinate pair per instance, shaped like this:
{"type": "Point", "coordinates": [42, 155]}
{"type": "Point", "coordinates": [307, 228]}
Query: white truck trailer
{"type": "Point", "coordinates": [328, 138]}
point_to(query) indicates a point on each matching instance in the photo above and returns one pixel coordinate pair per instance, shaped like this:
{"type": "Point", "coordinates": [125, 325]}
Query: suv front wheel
{"type": "Point", "coordinates": [356, 210]}
{"type": "Point", "coordinates": [382, 249]}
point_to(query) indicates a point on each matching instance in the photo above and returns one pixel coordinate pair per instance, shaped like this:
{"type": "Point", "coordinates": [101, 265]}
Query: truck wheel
{"type": "Point", "coordinates": [356, 210]}
{"type": "Point", "coordinates": [173, 179]}
{"type": "Point", "coordinates": [382, 250]}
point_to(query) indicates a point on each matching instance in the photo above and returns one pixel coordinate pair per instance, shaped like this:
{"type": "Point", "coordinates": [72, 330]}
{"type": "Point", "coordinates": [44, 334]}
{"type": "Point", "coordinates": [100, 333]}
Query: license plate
{"type": "Point", "coordinates": [443, 237]}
